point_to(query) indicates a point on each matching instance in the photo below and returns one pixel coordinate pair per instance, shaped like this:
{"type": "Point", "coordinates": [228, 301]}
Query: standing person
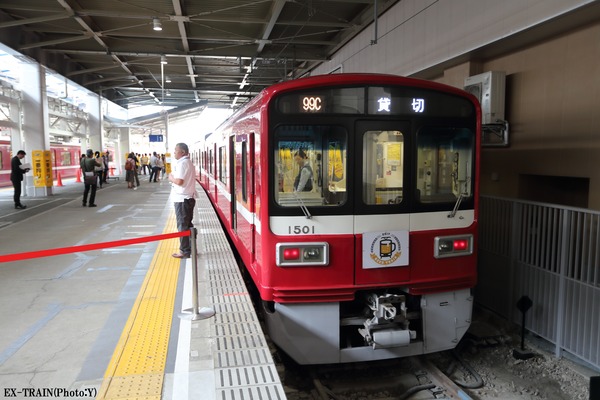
{"type": "Point", "coordinates": [183, 191]}
{"type": "Point", "coordinates": [88, 166]}
{"type": "Point", "coordinates": [303, 181]}
{"type": "Point", "coordinates": [105, 160]}
{"type": "Point", "coordinates": [159, 168]}
{"type": "Point", "coordinates": [130, 171]}
{"type": "Point", "coordinates": [153, 167]}
{"type": "Point", "coordinates": [80, 164]}
{"type": "Point", "coordinates": [135, 168]}
{"type": "Point", "coordinates": [16, 177]}
{"type": "Point", "coordinates": [144, 161]}
{"type": "Point", "coordinates": [99, 169]}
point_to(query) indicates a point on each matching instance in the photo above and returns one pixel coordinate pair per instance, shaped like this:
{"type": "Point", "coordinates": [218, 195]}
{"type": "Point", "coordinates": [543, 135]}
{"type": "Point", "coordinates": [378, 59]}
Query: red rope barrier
{"type": "Point", "coordinates": [88, 247]}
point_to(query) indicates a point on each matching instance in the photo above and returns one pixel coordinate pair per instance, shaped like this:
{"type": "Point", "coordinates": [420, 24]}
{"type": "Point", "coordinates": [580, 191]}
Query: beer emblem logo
{"type": "Point", "coordinates": [385, 249]}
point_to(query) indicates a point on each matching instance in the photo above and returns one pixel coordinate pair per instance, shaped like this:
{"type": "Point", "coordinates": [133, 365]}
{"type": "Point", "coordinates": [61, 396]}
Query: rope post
{"type": "Point", "coordinates": [204, 312]}
{"type": "Point", "coordinates": [193, 234]}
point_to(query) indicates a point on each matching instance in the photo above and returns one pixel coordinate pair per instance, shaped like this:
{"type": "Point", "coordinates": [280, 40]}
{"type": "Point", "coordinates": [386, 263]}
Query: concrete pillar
{"type": "Point", "coordinates": [166, 120]}
{"type": "Point", "coordinates": [124, 148]}
{"type": "Point", "coordinates": [34, 132]}
{"type": "Point", "coordinates": [95, 131]}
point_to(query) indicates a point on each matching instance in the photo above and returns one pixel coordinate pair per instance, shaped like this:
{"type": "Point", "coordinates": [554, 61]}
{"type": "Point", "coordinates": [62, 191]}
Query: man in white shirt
{"type": "Point", "coordinates": [153, 167]}
{"type": "Point", "coordinates": [183, 191]}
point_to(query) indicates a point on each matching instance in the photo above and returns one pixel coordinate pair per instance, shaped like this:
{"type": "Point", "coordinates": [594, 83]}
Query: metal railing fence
{"type": "Point", "coordinates": [551, 254]}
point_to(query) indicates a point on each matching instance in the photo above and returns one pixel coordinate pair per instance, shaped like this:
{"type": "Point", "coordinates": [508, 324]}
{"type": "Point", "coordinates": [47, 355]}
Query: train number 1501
{"type": "Point", "coordinates": [301, 230]}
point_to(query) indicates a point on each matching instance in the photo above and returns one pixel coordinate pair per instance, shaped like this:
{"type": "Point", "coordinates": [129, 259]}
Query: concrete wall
{"type": "Point", "coordinates": [552, 98]}
{"type": "Point", "coordinates": [551, 55]}
{"type": "Point", "coordinates": [418, 34]}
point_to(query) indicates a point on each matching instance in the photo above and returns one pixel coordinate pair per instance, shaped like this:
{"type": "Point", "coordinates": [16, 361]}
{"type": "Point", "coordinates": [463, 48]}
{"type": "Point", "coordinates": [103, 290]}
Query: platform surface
{"type": "Point", "coordinates": [118, 322]}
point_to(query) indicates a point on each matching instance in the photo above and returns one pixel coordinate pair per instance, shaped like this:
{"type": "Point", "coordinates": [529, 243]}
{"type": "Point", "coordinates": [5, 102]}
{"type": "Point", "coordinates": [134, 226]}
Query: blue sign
{"type": "Point", "coordinates": [157, 138]}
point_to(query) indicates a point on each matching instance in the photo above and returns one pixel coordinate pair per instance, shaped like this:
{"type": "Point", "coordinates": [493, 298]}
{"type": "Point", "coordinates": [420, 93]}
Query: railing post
{"type": "Point", "coordinates": [515, 233]}
{"type": "Point", "coordinates": [193, 234]}
{"type": "Point", "coordinates": [196, 313]}
{"type": "Point", "coordinates": [562, 282]}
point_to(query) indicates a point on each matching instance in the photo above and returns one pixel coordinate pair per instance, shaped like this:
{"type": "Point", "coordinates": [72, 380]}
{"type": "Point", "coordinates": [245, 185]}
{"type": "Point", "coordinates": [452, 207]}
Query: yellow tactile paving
{"type": "Point", "coordinates": [136, 369]}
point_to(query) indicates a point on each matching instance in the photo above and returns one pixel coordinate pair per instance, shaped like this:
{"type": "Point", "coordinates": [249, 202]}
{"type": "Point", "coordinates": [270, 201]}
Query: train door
{"type": "Point", "coordinates": [381, 218]}
{"type": "Point", "coordinates": [251, 191]}
{"type": "Point", "coordinates": [214, 169]}
{"type": "Point", "coordinates": [232, 182]}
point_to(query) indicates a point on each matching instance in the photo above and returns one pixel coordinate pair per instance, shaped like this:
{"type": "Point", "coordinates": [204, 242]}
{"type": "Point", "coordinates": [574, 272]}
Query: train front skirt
{"type": "Point", "coordinates": [310, 333]}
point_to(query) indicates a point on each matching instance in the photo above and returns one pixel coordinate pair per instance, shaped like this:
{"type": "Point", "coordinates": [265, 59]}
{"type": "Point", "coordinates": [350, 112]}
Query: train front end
{"type": "Point", "coordinates": [375, 258]}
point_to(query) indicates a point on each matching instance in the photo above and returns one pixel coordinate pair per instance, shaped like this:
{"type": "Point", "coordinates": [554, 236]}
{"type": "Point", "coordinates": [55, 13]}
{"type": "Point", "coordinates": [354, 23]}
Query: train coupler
{"type": "Point", "coordinates": [389, 326]}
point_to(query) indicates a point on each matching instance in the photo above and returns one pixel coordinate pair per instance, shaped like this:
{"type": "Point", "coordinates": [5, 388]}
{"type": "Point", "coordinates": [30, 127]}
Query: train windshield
{"type": "Point", "coordinates": [309, 158]}
{"type": "Point", "coordinates": [444, 164]}
{"type": "Point", "coordinates": [383, 152]}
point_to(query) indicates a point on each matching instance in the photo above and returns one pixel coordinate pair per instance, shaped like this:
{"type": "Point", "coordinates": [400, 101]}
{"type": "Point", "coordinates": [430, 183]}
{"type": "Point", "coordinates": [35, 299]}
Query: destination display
{"type": "Point", "coordinates": [375, 100]}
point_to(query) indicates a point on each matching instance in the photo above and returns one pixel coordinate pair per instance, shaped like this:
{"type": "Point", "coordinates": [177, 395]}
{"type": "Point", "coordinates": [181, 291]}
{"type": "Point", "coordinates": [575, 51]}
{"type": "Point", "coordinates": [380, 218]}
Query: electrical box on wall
{"type": "Point", "coordinates": [489, 90]}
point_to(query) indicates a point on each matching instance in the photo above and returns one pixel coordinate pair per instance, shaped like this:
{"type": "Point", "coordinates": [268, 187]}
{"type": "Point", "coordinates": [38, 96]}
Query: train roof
{"type": "Point", "coordinates": [356, 79]}
{"type": "Point", "coordinates": [321, 81]}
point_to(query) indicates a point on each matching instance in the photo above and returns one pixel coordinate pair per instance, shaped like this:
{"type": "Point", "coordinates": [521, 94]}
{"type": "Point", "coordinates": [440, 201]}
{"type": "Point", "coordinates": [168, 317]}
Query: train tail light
{"type": "Point", "coordinates": [291, 254]}
{"type": "Point", "coordinates": [302, 254]}
{"type": "Point", "coordinates": [452, 246]}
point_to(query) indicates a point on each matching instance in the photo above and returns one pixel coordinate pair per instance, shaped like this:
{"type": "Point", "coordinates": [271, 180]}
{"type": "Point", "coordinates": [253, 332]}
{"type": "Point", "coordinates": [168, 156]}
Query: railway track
{"type": "Point", "coordinates": [413, 378]}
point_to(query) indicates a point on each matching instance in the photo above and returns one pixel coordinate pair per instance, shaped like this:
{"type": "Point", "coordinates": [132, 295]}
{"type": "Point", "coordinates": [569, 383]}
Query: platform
{"type": "Point", "coordinates": [112, 323]}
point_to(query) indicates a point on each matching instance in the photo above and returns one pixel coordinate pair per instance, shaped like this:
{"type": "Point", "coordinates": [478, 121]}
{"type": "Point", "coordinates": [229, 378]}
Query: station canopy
{"type": "Point", "coordinates": [177, 53]}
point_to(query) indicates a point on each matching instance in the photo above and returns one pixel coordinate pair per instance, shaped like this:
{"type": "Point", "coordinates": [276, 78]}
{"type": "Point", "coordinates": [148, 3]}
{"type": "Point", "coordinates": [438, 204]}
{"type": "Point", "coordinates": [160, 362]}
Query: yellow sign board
{"type": "Point", "coordinates": [167, 163]}
{"type": "Point", "coordinates": [42, 168]}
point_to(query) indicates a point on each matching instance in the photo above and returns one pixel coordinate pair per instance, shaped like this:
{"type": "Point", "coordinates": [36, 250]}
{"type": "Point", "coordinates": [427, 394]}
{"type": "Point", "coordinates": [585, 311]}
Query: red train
{"type": "Point", "coordinates": [352, 200]}
{"type": "Point", "coordinates": [65, 160]}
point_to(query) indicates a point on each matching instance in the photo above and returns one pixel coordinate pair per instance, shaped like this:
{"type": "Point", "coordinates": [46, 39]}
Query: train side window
{"type": "Point", "coordinates": [383, 167]}
{"type": "Point", "coordinates": [444, 164]}
{"type": "Point", "coordinates": [244, 171]}
{"type": "Point", "coordinates": [198, 162]}
{"type": "Point", "coordinates": [66, 158]}
{"type": "Point", "coordinates": [222, 165]}
{"type": "Point", "coordinates": [310, 165]}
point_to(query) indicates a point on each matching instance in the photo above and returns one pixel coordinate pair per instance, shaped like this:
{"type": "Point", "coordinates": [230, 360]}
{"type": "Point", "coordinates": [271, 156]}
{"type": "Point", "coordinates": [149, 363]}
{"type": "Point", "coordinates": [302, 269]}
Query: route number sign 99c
{"type": "Point", "coordinates": [312, 103]}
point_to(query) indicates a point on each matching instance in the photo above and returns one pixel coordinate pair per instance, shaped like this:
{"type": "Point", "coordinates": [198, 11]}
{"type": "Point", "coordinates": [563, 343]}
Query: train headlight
{"type": "Point", "coordinates": [302, 254]}
{"type": "Point", "coordinates": [452, 246]}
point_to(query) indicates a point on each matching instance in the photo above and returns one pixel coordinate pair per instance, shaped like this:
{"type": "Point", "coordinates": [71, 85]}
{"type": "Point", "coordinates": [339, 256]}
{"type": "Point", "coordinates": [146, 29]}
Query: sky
{"type": "Point", "coordinates": [190, 131]}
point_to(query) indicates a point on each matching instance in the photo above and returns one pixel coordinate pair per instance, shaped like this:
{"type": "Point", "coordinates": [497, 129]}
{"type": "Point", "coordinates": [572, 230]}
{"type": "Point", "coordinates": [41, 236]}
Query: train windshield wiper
{"type": "Point", "coordinates": [302, 206]}
{"type": "Point", "coordinates": [461, 196]}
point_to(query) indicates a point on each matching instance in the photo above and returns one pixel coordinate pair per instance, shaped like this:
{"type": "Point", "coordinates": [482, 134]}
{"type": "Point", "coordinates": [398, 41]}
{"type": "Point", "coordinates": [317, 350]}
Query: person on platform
{"type": "Point", "coordinates": [130, 171]}
{"type": "Point", "coordinates": [99, 169]}
{"type": "Point", "coordinates": [183, 192]}
{"type": "Point", "coordinates": [160, 167]}
{"type": "Point", "coordinates": [105, 160]}
{"type": "Point", "coordinates": [163, 163]}
{"type": "Point", "coordinates": [136, 169]}
{"type": "Point", "coordinates": [153, 167]}
{"type": "Point", "coordinates": [144, 161]}
{"type": "Point", "coordinates": [90, 179]}
{"type": "Point", "coordinates": [16, 177]}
